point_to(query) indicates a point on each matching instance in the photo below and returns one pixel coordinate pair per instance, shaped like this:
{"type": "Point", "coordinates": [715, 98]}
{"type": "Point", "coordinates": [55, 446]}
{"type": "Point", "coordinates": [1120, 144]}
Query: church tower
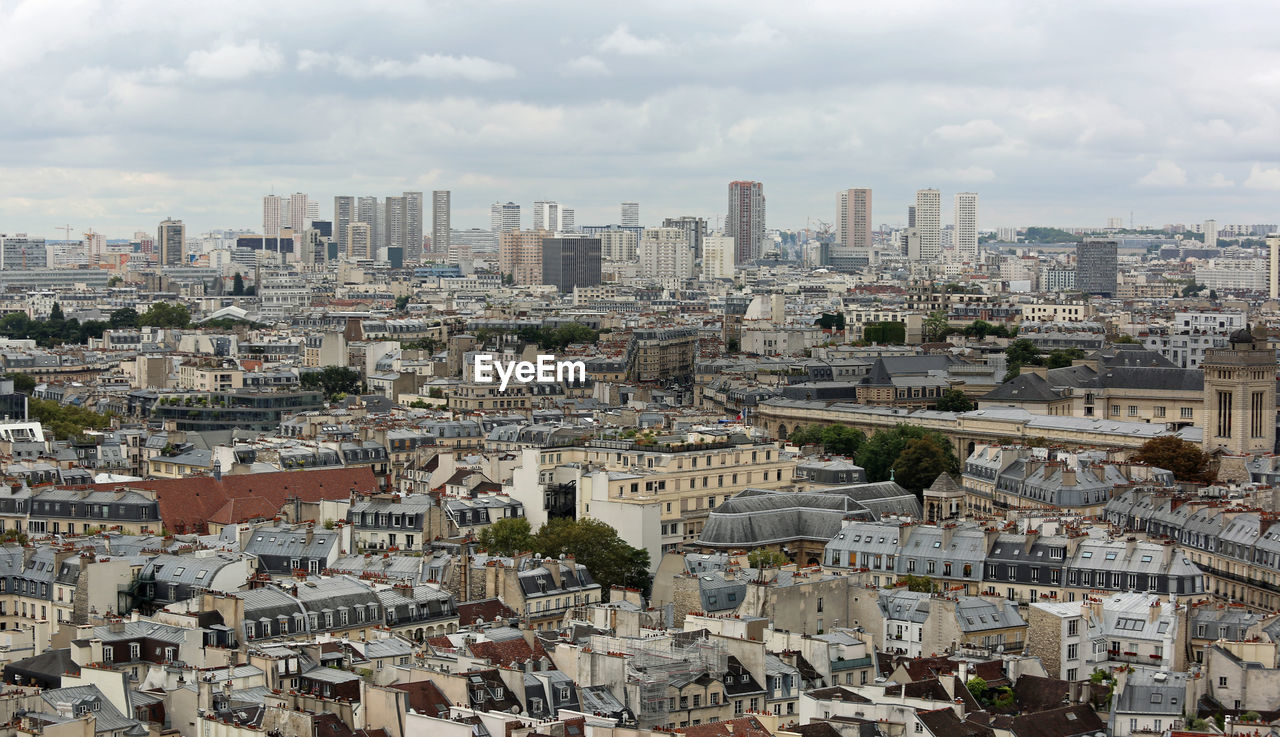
{"type": "Point", "coordinates": [1240, 396]}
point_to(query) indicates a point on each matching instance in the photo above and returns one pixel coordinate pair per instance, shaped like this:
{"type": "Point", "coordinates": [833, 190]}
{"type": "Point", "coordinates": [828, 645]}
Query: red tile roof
{"type": "Point", "coordinates": [188, 505]}
{"type": "Point", "coordinates": [744, 727]}
{"type": "Point", "coordinates": [484, 610]}
{"type": "Point", "coordinates": [506, 652]}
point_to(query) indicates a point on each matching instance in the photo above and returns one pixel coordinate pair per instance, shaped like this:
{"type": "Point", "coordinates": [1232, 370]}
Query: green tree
{"type": "Point", "coordinates": [1023, 352]}
{"type": "Point", "coordinates": [978, 329]}
{"type": "Point", "coordinates": [596, 545]}
{"type": "Point", "coordinates": [125, 317]}
{"type": "Point", "coordinates": [836, 439]}
{"type": "Point", "coordinates": [733, 345]}
{"type": "Point", "coordinates": [1123, 338]}
{"type": "Point", "coordinates": [954, 400]}
{"type": "Point", "coordinates": [885, 333]}
{"type": "Point", "coordinates": [879, 454]}
{"type": "Point", "coordinates": [65, 422]}
{"type": "Point", "coordinates": [920, 464]}
{"type": "Point", "coordinates": [56, 312]}
{"type": "Point", "coordinates": [402, 303]}
{"type": "Point", "coordinates": [237, 285]}
{"type": "Point", "coordinates": [507, 536]}
{"type": "Point", "coordinates": [921, 584]}
{"type": "Point", "coordinates": [1063, 357]}
{"type": "Point", "coordinates": [761, 559]}
{"type": "Point", "coordinates": [935, 326]}
{"type": "Point", "coordinates": [334, 381]}
{"type": "Point", "coordinates": [114, 281]}
{"type": "Point", "coordinates": [164, 315]}
{"type": "Point", "coordinates": [831, 321]}
{"type": "Point", "coordinates": [1185, 459]}
{"type": "Point", "coordinates": [977, 687]}
{"type": "Point", "coordinates": [22, 383]}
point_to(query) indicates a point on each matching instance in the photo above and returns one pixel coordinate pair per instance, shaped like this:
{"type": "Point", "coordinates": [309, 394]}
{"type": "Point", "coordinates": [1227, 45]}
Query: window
{"type": "Point", "coordinates": [1072, 651]}
{"type": "Point", "coordinates": [1073, 627]}
{"type": "Point", "coordinates": [1186, 413]}
{"type": "Point", "coordinates": [135, 651]}
{"type": "Point", "coordinates": [1160, 411]}
{"type": "Point", "coordinates": [1222, 681]}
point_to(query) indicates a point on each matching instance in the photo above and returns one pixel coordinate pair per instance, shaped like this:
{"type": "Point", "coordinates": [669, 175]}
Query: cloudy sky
{"type": "Point", "coordinates": [114, 115]}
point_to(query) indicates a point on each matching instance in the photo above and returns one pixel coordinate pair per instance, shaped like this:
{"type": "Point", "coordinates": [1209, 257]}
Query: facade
{"type": "Point", "coordinates": [1096, 267]}
{"type": "Point", "coordinates": [441, 235]}
{"type": "Point", "coordinates": [299, 212]}
{"type": "Point", "coordinates": [569, 262]}
{"type": "Point", "coordinates": [273, 215]}
{"type": "Point", "coordinates": [694, 227]}
{"type": "Point", "coordinates": [630, 214]}
{"type": "Point", "coordinates": [368, 212]}
{"type": "Point", "coordinates": [171, 238]}
{"type": "Point", "coordinates": [853, 218]}
{"type": "Point", "coordinates": [718, 257]}
{"type": "Point", "coordinates": [666, 256]}
{"type": "Point", "coordinates": [520, 255]}
{"type": "Point", "coordinates": [344, 214]}
{"type": "Point", "coordinates": [1240, 396]}
{"type": "Point", "coordinates": [22, 252]}
{"type": "Point", "coordinates": [928, 224]}
{"type": "Point", "coordinates": [745, 222]}
{"type": "Point", "coordinates": [359, 241]}
{"type": "Point", "coordinates": [503, 217]}
{"type": "Point", "coordinates": [413, 215]}
{"type": "Point", "coordinates": [966, 226]}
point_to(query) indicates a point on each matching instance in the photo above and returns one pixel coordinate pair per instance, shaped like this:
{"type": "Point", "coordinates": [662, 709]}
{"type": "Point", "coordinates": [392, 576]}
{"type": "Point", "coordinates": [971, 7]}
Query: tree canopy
{"type": "Point", "coordinates": [955, 400]}
{"type": "Point", "coordinates": [885, 333]}
{"type": "Point", "coordinates": [836, 439]}
{"type": "Point", "coordinates": [879, 455]}
{"type": "Point", "coordinates": [52, 331]}
{"type": "Point", "coordinates": [594, 544]}
{"type": "Point", "coordinates": [831, 321]}
{"type": "Point", "coordinates": [936, 326]}
{"type": "Point", "coordinates": [762, 558]}
{"type": "Point", "coordinates": [65, 421]}
{"type": "Point", "coordinates": [920, 584]}
{"type": "Point", "coordinates": [22, 383]}
{"type": "Point", "coordinates": [1185, 459]}
{"type": "Point", "coordinates": [557, 338]}
{"type": "Point", "coordinates": [334, 381]}
{"type": "Point", "coordinates": [165, 315]}
{"type": "Point", "coordinates": [920, 463]}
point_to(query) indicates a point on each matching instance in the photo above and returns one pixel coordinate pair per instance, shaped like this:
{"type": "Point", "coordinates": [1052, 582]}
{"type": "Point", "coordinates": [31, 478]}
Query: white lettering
{"type": "Point", "coordinates": [483, 369]}
{"type": "Point", "coordinates": [505, 375]}
{"type": "Point", "coordinates": [546, 370]}
{"type": "Point", "coordinates": [566, 369]}
{"type": "Point", "coordinates": [546, 373]}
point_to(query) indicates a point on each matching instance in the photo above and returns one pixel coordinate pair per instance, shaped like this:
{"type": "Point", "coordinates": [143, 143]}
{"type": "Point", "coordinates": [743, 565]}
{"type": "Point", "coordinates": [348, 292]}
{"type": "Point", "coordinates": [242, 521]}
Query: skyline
{"type": "Point", "coordinates": [118, 117]}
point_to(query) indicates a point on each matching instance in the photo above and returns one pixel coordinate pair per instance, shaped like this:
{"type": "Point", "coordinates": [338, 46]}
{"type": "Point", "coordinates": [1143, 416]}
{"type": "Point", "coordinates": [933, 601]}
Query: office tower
{"type": "Point", "coordinates": [546, 216]}
{"type": "Point", "coordinates": [397, 219]}
{"type": "Point", "coordinates": [504, 217]}
{"type": "Point", "coordinates": [368, 212]}
{"type": "Point", "coordinates": [146, 242]}
{"type": "Point", "coordinates": [171, 239]}
{"type": "Point", "coordinates": [666, 256]}
{"type": "Point", "coordinates": [413, 212]}
{"type": "Point", "coordinates": [694, 227]}
{"type": "Point", "coordinates": [853, 218]}
{"type": "Point", "coordinates": [360, 241]}
{"type": "Point", "coordinates": [95, 246]}
{"type": "Point", "coordinates": [929, 223]}
{"type": "Point", "coordinates": [18, 252]}
{"type": "Point", "coordinates": [441, 235]}
{"type": "Point", "coordinates": [717, 257]}
{"type": "Point", "coordinates": [571, 261]}
{"type": "Point", "coordinates": [1239, 397]}
{"type": "Point", "coordinates": [566, 220]}
{"type": "Point", "coordinates": [1210, 233]}
{"type": "Point", "coordinates": [1096, 266]}
{"type": "Point", "coordinates": [299, 206]}
{"type": "Point", "coordinates": [273, 215]}
{"type": "Point", "coordinates": [395, 257]}
{"type": "Point", "coordinates": [630, 215]}
{"type": "Point", "coordinates": [1273, 266]}
{"type": "Point", "coordinates": [911, 216]}
{"type": "Point", "coordinates": [520, 255]}
{"type": "Point", "coordinates": [313, 210]}
{"type": "Point", "coordinates": [1114, 223]}
{"type": "Point", "coordinates": [745, 220]}
{"type": "Point", "coordinates": [617, 244]}
{"type": "Point", "coordinates": [344, 214]}
{"type": "Point", "coordinates": [315, 243]}
{"type": "Point", "coordinates": [965, 236]}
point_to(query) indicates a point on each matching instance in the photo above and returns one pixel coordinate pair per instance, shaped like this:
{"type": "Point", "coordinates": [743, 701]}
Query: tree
{"type": "Point", "coordinates": [237, 285]}
{"type": "Point", "coordinates": [921, 584]}
{"type": "Point", "coordinates": [507, 536]}
{"type": "Point", "coordinates": [1185, 459]}
{"type": "Point", "coordinates": [125, 317]}
{"type": "Point", "coordinates": [886, 333]}
{"type": "Point", "coordinates": [1213, 295]}
{"type": "Point", "coordinates": [1063, 357]}
{"type": "Point", "coordinates": [954, 400]}
{"type": "Point", "coordinates": [114, 281]}
{"type": "Point", "coordinates": [334, 381]}
{"type": "Point", "coordinates": [56, 312]}
{"type": "Point", "coordinates": [65, 421]}
{"type": "Point", "coordinates": [1023, 352]}
{"type": "Point", "coordinates": [732, 346]}
{"type": "Point", "coordinates": [830, 321]}
{"type": "Point", "coordinates": [920, 464]}
{"type": "Point", "coordinates": [977, 329]}
{"type": "Point", "coordinates": [761, 559]}
{"type": "Point", "coordinates": [22, 383]}
{"type": "Point", "coordinates": [935, 326]}
{"type": "Point", "coordinates": [402, 303]}
{"type": "Point", "coordinates": [835, 439]}
{"type": "Point", "coordinates": [164, 315]}
{"type": "Point", "coordinates": [977, 687]}
{"type": "Point", "coordinates": [596, 545]}
{"type": "Point", "coordinates": [1123, 338]}
{"type": "Point", "coordinates": [879, 454]}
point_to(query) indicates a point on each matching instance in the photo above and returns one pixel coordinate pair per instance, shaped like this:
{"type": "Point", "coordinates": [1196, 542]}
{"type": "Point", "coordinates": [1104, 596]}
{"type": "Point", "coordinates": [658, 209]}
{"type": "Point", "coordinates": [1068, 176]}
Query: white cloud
{"type": "Point", "coordinates": [1260, 178]}
{"type": "Point", "coordinates": [585, 66]}
{"type": "Point", "coordinates": [427, 66]}
{"type": "Point", "coordinates": [1219, 181]}
{"type": "Point", "coordinates": [1166, 174]}
{"type": "Point", "coordinates": [758, 33]}
{"type": "Point", "coordinates": [623, 41]}
{"type": "Point", "coordinates": [973, 132]}
{"type": "Point", "coordinates": [964, 174]}
{"type": "Point", "coordinates": [234, 61]}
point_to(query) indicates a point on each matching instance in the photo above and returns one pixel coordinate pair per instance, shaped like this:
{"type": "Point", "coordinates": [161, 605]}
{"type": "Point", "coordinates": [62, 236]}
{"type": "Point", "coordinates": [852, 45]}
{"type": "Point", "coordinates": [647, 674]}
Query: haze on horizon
{"type": "Point", "coordinates": [115, 116]}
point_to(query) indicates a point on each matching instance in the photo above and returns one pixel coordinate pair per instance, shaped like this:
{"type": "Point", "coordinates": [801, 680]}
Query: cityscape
{"type": "Point", "coordinates": [416, 369]}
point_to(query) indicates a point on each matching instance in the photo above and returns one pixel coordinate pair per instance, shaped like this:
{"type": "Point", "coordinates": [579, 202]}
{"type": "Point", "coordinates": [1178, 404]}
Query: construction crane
{"type": "Point", "coordinates": [66, 229]}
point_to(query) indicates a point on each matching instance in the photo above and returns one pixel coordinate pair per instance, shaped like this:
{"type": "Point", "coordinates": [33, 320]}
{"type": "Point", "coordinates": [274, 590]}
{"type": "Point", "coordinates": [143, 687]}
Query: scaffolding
{"type": "Point", "coordinates": [655, 663]}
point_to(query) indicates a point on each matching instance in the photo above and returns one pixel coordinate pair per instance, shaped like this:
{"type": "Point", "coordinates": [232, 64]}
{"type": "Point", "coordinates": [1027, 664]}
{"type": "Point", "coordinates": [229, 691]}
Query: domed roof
{"type": "Point", "coordinates": [1243, 335]}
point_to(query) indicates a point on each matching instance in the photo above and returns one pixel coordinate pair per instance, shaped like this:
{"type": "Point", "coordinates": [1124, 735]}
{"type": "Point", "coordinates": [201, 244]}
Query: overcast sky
{"type": "Point", "coordinates": [114, 115]}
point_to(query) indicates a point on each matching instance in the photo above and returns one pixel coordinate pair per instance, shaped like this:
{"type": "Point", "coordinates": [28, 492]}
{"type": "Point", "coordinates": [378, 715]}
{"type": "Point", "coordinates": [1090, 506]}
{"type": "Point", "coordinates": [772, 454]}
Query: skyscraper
{"type": "Point", "coordinates": [504, 217]}
{"type": "Point", "coordinates": [566, 220]}
{"type": "Point", "coordinates": [413, 213]}
{"type": "Point", "coordinates": [571, 261]}
{"type": "Point", "coordinates": [359, 240]}
{"type": "Point", "coordinates": [630, 214]}
{"type": "Point", "coordinates": [299, 208]}
{"type": "Point", "coordinates": [1096, 266]}
{"type": "Point", "coordinates": [546, 216]}
{"type": "Point", "coordinates": [717, 257]}
{"type": "Point", "coordinates": [344, 213]}
{"type": "Point", "coordinates": [966, 230]}
{"type": "Point", "coordinates": [171, 238]}
{"type": "Point", "coordinates": [1210, 233]}
{"type": "Point", "coordinates": [1273, 266]}
{"type": "Point", "coordinates": [745, 220]}
{"type": "Point", "coordinates": [929, 223]}
{"type": "Point", "coordinates": [397, 223]}
{"type": "Point", "coordinates": [665, 255]}
{"type": "Point", "coordinates": [440, 221]}
{"type": "Point", "coordinates": [694, 227]}
{"type": "Point", "coordinates": [520, 255]}
{"type": "Point", "coordinates": [273, 215]}
{"type": "Point", "coordinates": [367, 212]}
{"type": "Point", "coordinates": [853, 218]}
{"type": "Point", "coordinates": [22, 252]}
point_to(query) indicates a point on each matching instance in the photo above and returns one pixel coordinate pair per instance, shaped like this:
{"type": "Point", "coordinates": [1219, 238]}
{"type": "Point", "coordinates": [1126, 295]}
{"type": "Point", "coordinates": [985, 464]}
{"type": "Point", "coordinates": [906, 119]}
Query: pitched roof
{"type": "Point", "coordinates": [486, 610]}
{"type": "Point", "coordinates": [1023, 388]}
{"type": "Point", "coordinates": [1067, 721]}
{"type": "Point", "coordinates": [743, 727]}
{"type": "Point", "coordinates": [190, 503]}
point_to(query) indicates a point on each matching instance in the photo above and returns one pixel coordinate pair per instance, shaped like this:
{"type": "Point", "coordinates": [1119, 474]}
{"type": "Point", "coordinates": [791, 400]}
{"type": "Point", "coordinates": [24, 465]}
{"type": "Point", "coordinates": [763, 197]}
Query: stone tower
{"type": "Point", "coordinates": [1240, 396]}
